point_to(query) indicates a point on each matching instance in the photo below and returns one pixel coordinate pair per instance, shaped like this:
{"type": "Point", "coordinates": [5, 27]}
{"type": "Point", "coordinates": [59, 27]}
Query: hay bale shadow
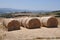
{"type": "Point", "coordinates": [34, 27]}
{"type": "Point", "coordinates": [52, 27]}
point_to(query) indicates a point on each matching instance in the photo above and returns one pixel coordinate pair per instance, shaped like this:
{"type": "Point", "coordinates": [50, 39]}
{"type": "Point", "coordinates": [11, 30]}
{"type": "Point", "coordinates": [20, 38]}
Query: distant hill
{"type": "Point", "coordinates": [56, 11]}
{"type": "Point", "coordinates": [10, 10]}
{"type": "Point", "coordinates": [6, 12]}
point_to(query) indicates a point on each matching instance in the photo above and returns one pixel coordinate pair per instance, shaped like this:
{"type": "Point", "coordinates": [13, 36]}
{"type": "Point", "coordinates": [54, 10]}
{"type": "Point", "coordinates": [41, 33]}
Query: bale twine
{"type": "Point", "coordinates": [49, 21]}
{"type": "Point", "coordinates": [11, 24]}
{"type": "Point", "coordinates": [32, 23]}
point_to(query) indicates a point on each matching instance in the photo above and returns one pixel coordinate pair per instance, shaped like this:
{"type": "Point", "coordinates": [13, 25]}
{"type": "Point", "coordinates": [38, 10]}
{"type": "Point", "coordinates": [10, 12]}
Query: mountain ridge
{"type": "Point", "coordinates": [11, 10]}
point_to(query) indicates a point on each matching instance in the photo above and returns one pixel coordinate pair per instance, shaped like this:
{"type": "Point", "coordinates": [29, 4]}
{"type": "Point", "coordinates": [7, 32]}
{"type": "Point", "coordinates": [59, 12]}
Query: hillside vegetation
{"type": "Point", "coordinates": [7, 12]}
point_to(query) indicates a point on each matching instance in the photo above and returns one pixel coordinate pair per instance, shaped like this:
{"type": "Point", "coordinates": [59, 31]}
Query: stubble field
{"type": "Point", "coordinates": [42, 33]}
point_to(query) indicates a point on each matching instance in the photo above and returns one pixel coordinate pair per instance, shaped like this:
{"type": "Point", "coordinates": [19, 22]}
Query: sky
{"type": "Point", "coordinates": [31, 4]}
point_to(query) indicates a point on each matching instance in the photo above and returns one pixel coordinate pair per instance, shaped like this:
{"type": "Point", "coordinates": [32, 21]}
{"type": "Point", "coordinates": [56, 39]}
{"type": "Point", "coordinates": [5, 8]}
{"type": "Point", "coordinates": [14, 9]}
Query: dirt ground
{"type": "Point", "coordinates": [42, 33]}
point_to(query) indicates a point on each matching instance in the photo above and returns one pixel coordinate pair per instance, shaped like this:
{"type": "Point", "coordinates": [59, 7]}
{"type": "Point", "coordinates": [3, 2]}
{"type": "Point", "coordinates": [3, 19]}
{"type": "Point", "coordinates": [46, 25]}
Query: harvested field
{"type": "Point", "coordinates": [34, 34]}
{"type": "Point", "coordinates": [42, 33]}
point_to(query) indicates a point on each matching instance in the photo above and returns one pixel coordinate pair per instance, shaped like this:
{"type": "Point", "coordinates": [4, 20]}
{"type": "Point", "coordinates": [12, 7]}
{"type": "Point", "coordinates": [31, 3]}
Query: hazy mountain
{"type": "Point", "coordinates": [9, 10]}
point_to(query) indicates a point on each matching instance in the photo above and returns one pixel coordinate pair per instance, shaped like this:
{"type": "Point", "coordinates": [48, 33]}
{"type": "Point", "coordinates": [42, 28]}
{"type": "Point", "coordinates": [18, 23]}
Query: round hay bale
{"type": "Point", "coordinates": [20, 20]}
{"type": "Point", "coordinates": [33, 23]}
{"type": "Point", "coordinates": [49, 21]}
{"type": "Point", "coordinates": [11, 24]}
{"type": "Point", "coordinates": [23, 22]}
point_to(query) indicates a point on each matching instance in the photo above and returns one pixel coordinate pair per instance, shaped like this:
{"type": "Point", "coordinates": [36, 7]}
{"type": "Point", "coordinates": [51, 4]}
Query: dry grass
{"type": "Point", "coordinates": [58, 20]}
{"type": "Point", "coordinates": [2, 31]}
{"type": "Point", "coordinates": [34, 34]}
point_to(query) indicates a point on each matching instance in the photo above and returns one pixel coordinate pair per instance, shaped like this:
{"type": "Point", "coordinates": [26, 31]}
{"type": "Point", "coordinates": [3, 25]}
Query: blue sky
{"type": "Point", "coordinates": [31, 4]}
